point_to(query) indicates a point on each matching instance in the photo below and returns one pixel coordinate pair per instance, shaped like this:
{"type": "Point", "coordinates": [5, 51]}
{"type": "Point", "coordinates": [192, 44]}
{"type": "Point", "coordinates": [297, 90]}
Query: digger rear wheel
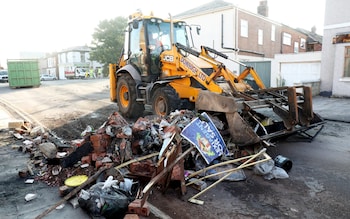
{"type": "Point", "coordinates": [126, 97]}
{"type": "Point", "coordinates": [165, 100]}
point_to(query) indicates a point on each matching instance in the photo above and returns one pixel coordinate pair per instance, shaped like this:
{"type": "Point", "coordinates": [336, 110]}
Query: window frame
{"type": "Point", "coordinates": [244, 28]}
{"type": "Point", "coordinates": [273, 33]}
{"type": "Point", "coordinates": [302, 43]}
{"type": "Point", "coordinates": [296, 47]}
{"type": "Point", "coordinates": [346, 72]}
{"type": "Point", "coordinates": [287, 39]}
{"type": "Point", "coordinates": [260, 37]}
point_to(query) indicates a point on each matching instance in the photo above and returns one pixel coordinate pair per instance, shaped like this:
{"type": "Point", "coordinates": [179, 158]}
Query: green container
{"type": "Point", "coordinates": [23, 73]}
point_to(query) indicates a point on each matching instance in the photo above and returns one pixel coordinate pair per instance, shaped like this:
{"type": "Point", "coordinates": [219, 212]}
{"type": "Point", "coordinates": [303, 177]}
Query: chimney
{"type": "Point", "coordinates": [313, 29]}
{"type": "Point", "coordinates": [263, 9]}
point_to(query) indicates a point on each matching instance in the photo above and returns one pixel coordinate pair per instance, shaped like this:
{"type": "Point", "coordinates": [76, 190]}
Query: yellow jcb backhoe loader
{"type": "Point", "coordinates": [159, 69]}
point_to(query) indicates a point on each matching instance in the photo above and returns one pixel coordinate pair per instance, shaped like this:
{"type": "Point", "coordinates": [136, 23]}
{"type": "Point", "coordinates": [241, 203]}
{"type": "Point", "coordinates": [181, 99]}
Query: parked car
{"type": "Point", "coordinates": [46, 77]}
{"type": "Point", "coordinates": [4, 76]}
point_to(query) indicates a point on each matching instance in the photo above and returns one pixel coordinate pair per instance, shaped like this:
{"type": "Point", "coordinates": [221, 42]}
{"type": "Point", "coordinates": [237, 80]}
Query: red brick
{"type": "Point", "coordinates": [135, 208]}
{"type": "Point", "coordinates": [98, 164]}
{"type": "Point", "coordinates": [176, 173]}
{"type": "Point", "coordinates": [142, 168]}
{"type": "Point", "coordinates": [86, 159]}
{"type": "Point", "coordinates": [78, 142]}
{"type": "Point", "coordinates": [131, 216]}
{"type": "Point", "coordinates": [97, 156]}
{"type": "Point", "coordinates": [100, 142]}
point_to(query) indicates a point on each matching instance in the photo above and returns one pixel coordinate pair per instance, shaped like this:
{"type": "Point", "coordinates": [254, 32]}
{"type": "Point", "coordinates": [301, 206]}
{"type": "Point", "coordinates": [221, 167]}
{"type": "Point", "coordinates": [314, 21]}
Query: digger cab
{"type": "Point", "coordinates": [146, 38]}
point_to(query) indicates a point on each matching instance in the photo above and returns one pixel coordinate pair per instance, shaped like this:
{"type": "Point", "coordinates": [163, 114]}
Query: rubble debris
{"type": "Point", "coordinates": [56, 170]}
{"type": "Point", "coordinates": [72, 193]}
{"type": "Point", "coordinates": [75, 180]}
{"type": "Point", "coordinates": [283, 162]}
{"type": "Point", "coordinates": [61, 206]}
{"type": "Point", "coordinates": [152, 151]}
{"type": "Point", "coordinates": [29, 181]}
{"type": "Point", "coordinates": [198, 184]}
{"type": "Point", "coordinates": [48, 149]}
{"type": "Point", "coordinates": [75, 156]}
{"type": "Point", "coordinates": [36, 131]}
{"type": "Point", "coordinates": [276, 173]}
{"type": "Point", "coordinates": [74, 202]}
{"type": "Point", "coordinates": [15, 124]}
{"type": "Point", "coordinates": [87, 130]}
{"type": "Point", "coordinates": [248, 162]}
{"type": "Point", "coordinates": [30, 196]}
{"type": "Point", "coordinates": [264, 167]}
{"type": "Point", "coordinates": [23, 173]}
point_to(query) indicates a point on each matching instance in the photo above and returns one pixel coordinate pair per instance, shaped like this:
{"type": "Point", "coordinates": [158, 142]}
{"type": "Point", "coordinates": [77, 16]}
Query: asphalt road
{"type": "Point", "coordinates": [317, 187]}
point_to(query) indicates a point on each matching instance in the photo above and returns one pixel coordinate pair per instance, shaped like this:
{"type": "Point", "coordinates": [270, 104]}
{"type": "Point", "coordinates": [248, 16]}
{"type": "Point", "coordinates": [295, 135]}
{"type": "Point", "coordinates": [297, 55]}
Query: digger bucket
{"type": "Point", "coordinates": [265, 114]}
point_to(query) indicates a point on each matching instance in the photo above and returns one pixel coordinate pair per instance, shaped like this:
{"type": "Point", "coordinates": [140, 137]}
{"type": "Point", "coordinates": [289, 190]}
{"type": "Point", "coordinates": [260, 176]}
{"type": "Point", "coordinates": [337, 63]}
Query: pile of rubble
{"type": "Point", "coordinates": [151, 151]}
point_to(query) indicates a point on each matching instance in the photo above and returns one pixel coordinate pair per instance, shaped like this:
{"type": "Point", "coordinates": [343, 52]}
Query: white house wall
{"type": "Point", "coordinates": [337, 20]}
{"type": "Point", "coordinates": [332, 69]}
{"type": "Point", "coordinates": [210, 33]}
{"type": "Point", "coordinates": [341, 85]}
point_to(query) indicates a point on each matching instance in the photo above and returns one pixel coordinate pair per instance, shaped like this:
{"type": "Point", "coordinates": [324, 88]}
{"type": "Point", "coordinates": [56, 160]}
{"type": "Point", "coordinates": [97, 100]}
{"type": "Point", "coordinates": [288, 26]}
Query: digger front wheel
{"type": "Point", "coordinates": [165, 100]}
{"type": "Point", "coordinates": [126, 97]}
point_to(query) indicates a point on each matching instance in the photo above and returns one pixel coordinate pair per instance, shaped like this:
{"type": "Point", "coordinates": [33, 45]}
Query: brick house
{"type": "Point", "coordinates": [225, 26]}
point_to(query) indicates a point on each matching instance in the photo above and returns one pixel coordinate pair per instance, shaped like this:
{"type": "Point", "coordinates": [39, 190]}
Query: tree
{"type": "Point", "coordinates": [108, 41]}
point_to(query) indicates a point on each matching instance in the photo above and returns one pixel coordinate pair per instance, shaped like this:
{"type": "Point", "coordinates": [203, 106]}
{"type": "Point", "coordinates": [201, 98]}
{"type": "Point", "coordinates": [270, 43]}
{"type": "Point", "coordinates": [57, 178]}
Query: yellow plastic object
{"type": "Point", "coordinates": [75, 180]}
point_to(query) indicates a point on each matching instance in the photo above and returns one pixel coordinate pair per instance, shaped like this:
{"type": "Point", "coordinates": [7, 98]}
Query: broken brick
{"type": "Point", "coordinates": [97, 156]}
{"type": "Point", "coordinates": [140, 125]}
{"type": "Point", "coordinates": [86, 159]}
{"type": "Point", "coordinates": [98, 164]}
{"type": "Point", "coordinates": [77, 142]}
{"type": "Point", "coordinates": [117, 119]}
{"type": "Point", "coordinates": [136, 208]}
{"type": "Point", "coordinates": [100, 142]}
{"type": "Point", "coordinates": [143, 168]}
{"type": "Point", "coordinates": [23, 173]}
{"type": "Point", "coordinates": [131, 216]}
{"type": "Point", "coordinates": [64, 190]}
{"type": "Point", "coordinates": [171, 129]}
{"type": "Point", "coordinates": [177, 173]}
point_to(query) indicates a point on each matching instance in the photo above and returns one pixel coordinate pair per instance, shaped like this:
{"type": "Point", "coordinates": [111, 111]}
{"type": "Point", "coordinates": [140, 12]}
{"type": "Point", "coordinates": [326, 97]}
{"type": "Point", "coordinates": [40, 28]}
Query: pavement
{"type": "Point", "coordinates": [335, 109]}
{"type": "Point", "coordinates": [5, 118]}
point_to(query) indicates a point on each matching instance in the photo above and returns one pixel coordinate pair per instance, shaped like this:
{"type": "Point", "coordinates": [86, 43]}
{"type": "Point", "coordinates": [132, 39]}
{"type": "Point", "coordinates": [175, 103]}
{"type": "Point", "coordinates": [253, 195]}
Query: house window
{"type": "Point", "coordinates": [273, 33]}
{"type": "Point", "coordinates": [302, 43]}
{"type": "Point", "coordinates": [296, 47]}
{"type": "Point", "coordinates": [287, 39]}
{"type": "Point", "coordinates": [244, 28]}
{"type": "Point", "coordinates": [260, 37]}
{"type": "Point", "coordinates": [347, 62]}
{"type": "Point", "coordinates": [341, 38]}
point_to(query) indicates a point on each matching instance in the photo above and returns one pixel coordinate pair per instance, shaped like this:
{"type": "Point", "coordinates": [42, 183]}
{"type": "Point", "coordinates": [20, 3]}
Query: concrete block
{"type": "Point", "coordinates": [48, 149]}
{"type": "Point", "coordinates": [15, 124]}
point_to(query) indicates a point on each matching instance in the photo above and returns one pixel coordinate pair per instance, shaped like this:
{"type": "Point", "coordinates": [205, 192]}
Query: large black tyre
{"type": "Point", "coordinates": [165, 100]}
{"type": "Point", "coordinates": [126, 98]}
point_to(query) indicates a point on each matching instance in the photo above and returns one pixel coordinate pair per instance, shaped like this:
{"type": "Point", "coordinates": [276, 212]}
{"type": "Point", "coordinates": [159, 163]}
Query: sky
{"type": "Point", "coordinates": [52, 25]}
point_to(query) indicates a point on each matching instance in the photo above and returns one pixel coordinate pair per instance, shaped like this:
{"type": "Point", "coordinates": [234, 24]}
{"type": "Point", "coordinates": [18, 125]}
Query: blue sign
{"type": "Point", "coordinates": [204, 135]}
